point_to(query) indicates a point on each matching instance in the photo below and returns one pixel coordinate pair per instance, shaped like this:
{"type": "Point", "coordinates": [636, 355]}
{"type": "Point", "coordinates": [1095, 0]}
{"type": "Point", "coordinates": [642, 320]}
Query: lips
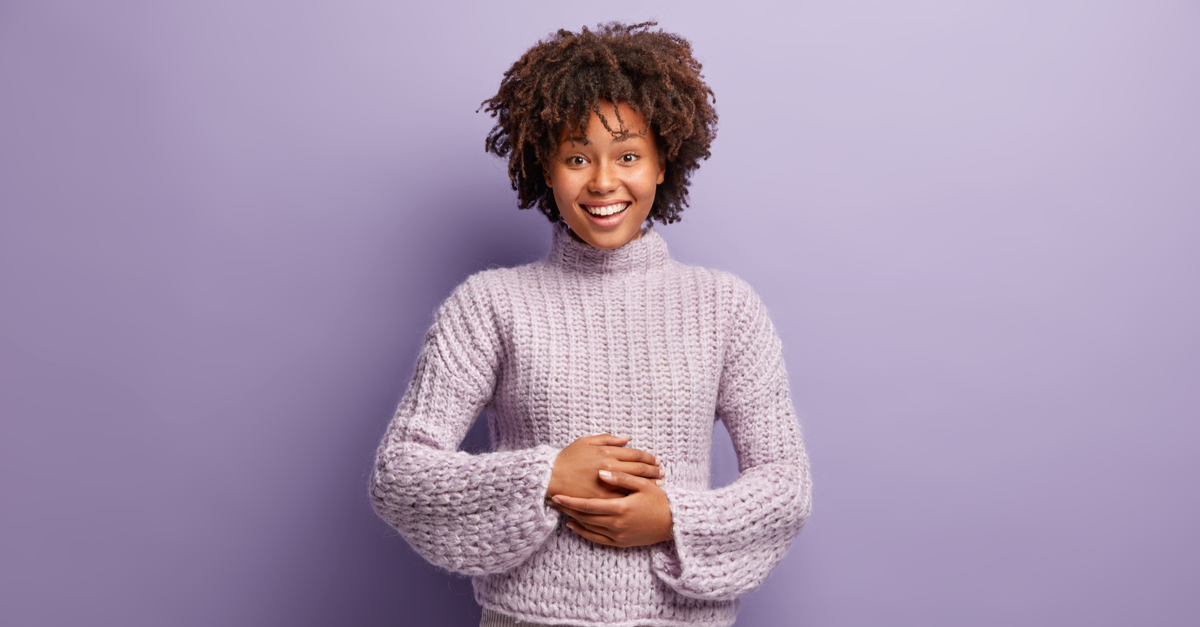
{"type": "Point", "coordinates": [607, 210]}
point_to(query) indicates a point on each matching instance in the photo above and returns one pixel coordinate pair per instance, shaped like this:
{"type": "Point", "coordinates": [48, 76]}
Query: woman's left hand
{"type": "Point", "coordinates": [641, 517]}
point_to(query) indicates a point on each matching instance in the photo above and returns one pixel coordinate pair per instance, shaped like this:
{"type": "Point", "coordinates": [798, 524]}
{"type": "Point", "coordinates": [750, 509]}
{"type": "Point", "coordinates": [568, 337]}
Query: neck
{"type": "Point", "coordinates": [645, 252]}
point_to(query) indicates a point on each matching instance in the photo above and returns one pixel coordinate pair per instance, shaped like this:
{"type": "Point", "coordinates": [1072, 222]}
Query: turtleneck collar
{"type": "Point", "coordinates": [645, 253]}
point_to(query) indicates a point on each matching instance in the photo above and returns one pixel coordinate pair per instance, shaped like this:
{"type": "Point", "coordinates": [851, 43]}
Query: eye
{"type": "Point", "coordinates": [628, 157]}
{"type": "Point", "coordinates": [576, 160]}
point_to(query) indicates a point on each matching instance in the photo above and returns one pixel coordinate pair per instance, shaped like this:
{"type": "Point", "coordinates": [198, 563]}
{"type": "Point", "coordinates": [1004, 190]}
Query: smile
{"type": "Point", "coordinates": [607, 210]}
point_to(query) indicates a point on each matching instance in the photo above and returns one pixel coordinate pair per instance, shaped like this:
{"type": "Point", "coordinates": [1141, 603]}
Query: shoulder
{"type": "Point", "coordinates": [729, 293]}
{"type": "Point", "coordinates": [742, 320]}
{"type": "Point", "coordinates": [486, 286]}
{"type": "Point", "coordinates": [489, 297]}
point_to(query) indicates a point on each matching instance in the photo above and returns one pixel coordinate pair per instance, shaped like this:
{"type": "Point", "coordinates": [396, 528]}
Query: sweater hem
{"type": "Point", "coordinates": [520, 619]}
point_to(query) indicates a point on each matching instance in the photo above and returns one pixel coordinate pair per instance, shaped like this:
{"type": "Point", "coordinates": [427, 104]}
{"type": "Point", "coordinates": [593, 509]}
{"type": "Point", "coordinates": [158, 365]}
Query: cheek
{"type": "Point", "coordinates": [562, 185]}
{"type": "Point", "coordinates": [651, 181]}
{"type": "Point", "coordinates": [564, 191]}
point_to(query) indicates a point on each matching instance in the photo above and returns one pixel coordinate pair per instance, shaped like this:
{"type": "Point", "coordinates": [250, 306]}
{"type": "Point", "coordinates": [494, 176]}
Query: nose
{"type": "Point", "coordinates": [604, 179]}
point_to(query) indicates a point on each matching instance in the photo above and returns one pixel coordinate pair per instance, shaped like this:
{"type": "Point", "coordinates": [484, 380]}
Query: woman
{"type": "Point", "coordinates": [563, 523]}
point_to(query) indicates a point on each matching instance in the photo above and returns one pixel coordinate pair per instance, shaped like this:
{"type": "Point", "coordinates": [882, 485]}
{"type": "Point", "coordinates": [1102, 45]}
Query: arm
{"type": "Point", "coordinates": [471, 514]}
{"type": "Point", "coordinates": [728, 540]}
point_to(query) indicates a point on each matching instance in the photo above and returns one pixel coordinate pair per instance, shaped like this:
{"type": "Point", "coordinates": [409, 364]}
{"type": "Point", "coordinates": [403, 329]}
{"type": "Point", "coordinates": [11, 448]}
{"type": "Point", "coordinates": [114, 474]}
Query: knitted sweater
{"type": "Point", "coordinates": [588, 341]}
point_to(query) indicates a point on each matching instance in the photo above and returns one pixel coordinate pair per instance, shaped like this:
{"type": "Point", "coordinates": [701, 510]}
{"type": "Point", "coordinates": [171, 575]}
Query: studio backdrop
{"type": "Point", "coordinates": [225, 226]}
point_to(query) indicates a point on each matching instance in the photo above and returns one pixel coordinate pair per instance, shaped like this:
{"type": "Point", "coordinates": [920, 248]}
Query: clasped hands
{"type": "Point", "coordinates": [610, 493]}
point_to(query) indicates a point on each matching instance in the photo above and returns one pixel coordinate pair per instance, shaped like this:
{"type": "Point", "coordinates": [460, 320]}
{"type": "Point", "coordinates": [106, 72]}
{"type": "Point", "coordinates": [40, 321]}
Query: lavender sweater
{"type": "Point", "coordinates": [588, 341]}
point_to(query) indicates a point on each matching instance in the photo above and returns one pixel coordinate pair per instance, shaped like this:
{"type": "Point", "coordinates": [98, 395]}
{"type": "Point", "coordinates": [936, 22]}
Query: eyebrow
{"type": "Point", "coordinates": [623, 138]}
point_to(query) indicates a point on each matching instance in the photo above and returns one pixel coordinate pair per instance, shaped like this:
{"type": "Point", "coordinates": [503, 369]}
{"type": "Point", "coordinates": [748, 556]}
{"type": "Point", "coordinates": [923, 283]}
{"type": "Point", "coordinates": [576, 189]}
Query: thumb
{"type": "Point", "coordinates": [628, 481]}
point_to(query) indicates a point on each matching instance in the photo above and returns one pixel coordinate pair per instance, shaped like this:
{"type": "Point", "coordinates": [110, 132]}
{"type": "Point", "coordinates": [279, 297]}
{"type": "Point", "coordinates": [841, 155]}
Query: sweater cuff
{"type": "Point", "coordinates": [546, 456]}
{"type": "Point", "coordinates": [664, 556]}
{"type": "Point", "coordinates": [690, 563]}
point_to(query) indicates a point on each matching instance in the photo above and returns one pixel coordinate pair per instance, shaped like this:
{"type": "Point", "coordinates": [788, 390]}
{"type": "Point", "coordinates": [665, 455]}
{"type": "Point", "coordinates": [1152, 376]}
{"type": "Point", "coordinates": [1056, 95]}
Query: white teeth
{"type": "Point", "coordinates": [607, 210]}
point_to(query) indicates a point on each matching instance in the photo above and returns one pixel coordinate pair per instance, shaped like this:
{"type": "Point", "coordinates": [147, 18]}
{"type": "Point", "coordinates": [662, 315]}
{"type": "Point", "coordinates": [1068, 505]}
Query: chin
{"type": "Point", "coordinates": [610, 240]}
{"type": "Point", "coordinates": [606, 239]}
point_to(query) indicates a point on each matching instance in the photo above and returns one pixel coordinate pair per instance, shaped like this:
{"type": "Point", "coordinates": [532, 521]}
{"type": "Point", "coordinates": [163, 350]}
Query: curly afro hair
{"type": "Point", "coordinates": [560, 82]}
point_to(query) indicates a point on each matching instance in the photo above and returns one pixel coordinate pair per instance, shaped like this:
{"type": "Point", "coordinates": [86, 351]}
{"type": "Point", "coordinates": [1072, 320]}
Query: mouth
{"type": "Point", "coordinates": [606, 210]}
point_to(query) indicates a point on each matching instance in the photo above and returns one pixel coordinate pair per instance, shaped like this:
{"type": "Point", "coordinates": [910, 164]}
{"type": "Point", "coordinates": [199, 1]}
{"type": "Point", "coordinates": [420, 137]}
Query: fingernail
{"type": "Point", "coordinates": [556, 500]}
{"type": "Point", "coordinates": [658, 482]}
{"type": "Point", "coordinates": [606, 474]}
{"type": "Point", "coordinates": [662, 472]}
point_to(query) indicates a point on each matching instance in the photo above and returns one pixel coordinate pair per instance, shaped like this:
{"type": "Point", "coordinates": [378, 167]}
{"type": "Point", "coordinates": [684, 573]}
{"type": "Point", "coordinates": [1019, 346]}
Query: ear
{"type": "Point", "coordinates": [662, 169]}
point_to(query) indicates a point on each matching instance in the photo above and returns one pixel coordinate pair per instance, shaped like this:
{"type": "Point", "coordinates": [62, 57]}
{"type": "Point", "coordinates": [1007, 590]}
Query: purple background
{"type": "Point", "coordinates": [224, 226]}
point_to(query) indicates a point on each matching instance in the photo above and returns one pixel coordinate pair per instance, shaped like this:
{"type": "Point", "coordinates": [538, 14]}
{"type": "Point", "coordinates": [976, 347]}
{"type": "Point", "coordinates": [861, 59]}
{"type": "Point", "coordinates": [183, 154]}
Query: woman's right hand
{"type": "Point", "coordinates": [576, 469]}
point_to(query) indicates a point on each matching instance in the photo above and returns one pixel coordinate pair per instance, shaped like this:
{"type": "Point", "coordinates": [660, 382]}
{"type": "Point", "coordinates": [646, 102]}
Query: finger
{"type": "Point", "coordinates": [641, 470]}
{"type": "Point", "coordinates": [591, 519]}
{"type": "Point", "coordinates": [578, 516]}
{"type": "Point", "coordinates": [590, 535]}
{"type": "Point", "coordinates": [600, 507]}
{"type": "Point", "coordinates": [634, 455]}
{"type": "Point", "coordinates": [607, 439]}
{"type": "Point", "coordinates": [628, 481]}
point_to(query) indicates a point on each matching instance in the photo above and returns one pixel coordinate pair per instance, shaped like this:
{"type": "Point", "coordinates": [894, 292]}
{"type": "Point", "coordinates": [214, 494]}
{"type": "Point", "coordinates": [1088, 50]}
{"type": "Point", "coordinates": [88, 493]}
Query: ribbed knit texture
{"type": "Point", "coordinates": [589, 341]}
{"type": "Point", "coordinates": [492, 618]}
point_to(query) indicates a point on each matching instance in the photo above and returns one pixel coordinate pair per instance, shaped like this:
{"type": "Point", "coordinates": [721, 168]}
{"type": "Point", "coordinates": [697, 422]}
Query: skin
{"type": "Point", "coordinates": [640, 518]}
{"type": "Point", "coordinates": [610, 493]}
{"type": "Point", "coordinates": [606, 171]}
{"type": "Point", "coordinates": [576, 467]}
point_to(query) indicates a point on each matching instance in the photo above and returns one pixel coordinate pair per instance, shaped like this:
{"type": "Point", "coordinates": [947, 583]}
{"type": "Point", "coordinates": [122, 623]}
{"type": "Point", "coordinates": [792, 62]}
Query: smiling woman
{"type": "Point", "coordinates": [566, 521]}
{"type": "Point", "coordinates": [560, 84]}
{"type": "Point", "coordinates": [604, 182]}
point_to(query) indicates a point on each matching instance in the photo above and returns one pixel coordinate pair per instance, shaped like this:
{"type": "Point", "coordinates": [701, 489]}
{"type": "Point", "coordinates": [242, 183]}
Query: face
{"type": "Point", "coordinates": [605, 187]}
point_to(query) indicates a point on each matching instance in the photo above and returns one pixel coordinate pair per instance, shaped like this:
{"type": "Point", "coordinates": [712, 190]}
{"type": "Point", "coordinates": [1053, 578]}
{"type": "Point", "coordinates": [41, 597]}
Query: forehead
{"type": "Point", "coordinates": [626, 125]}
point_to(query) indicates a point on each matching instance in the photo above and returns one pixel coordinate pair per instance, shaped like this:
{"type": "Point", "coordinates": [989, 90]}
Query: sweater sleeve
{"type": "Point", "coordinates": [728, 540]}
{"type": "Point", "coordinates": [470, 514]}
